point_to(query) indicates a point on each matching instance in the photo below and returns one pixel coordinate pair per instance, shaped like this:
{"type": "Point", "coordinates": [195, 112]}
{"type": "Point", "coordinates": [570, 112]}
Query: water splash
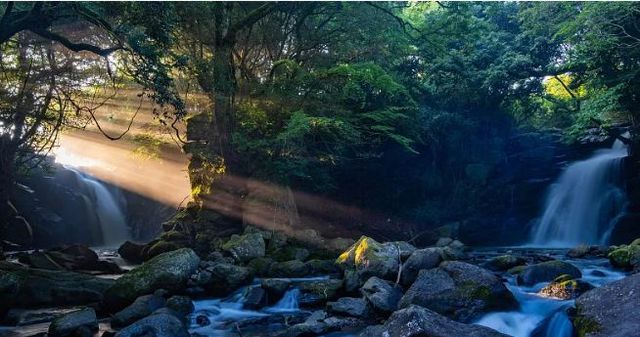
{"type": "Point", "coordinates": [580, 207]}
{"type": "Point", "coordinates": [289, 302]}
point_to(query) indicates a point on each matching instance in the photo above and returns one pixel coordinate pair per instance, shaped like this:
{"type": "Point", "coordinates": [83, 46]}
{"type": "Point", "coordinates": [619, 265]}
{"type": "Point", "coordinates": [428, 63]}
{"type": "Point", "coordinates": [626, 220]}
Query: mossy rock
{"type": "Point", "coordinates": [261, 265]}
{"type": "Point", "coordinates": [174, 236]}
{"type": "Point", "coordinates": [584, 326]}
{"type": "Point", "coordinates": [635, 242]}
{"type": "Point", "coordinates": [317, 292]}
{"type": "Point", "coordinates": [293, 268]}
{"type": "Point", "coordinates": [504, 262]}
{"type": "Point", "coordinates": [161, 247]}
{"type": "Point", "coordinates": [371, 258]}
{"type": "Point", "coordinates": [290, 253]}
{"type": "Point", "coordinates": [625, 257]}
{"type": "Point", "coordinates": [516, 270]}
{"type": "Point", "coordinates": [169, 271]}
{"type": "Point", "coordinates": [546, 272]}
{"type": "Point", "coordinates": [245, 247]}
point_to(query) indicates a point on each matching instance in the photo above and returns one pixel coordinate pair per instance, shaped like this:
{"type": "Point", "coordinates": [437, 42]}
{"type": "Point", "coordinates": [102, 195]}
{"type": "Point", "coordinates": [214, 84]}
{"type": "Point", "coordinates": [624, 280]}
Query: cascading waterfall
{"type": "Point", "coordinates": [109, 215]}
{"type": "Point", "coordinates": [582, 204]}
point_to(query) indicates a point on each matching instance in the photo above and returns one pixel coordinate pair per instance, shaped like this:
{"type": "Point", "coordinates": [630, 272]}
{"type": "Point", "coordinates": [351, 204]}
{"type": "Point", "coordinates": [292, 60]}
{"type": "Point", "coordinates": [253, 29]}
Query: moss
{"type": "Point", "coordinates": [516, 270]}
{"type": "Point", "coordinates": [174, 236]}
{"type": "Point", "coordinates": [563, 278]}
{"type": "Point", "coordinates": [625, 256]}
{"type": "Point", "coordinates": [584, 326]}
{"type": "Point", "coordinates": [161, 247]}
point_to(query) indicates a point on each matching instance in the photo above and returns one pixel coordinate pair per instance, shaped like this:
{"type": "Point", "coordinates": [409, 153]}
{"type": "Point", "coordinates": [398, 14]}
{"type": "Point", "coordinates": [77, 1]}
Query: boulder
{"type": "Point", "coordinates": [74, 257]}
{"type": "Point", "coordinates": [254, 298]}
{"type": "Point", "coordinates": [371, 258]}
{"type": "Point", "coordinates": [275, 288]}
{"type": "Point", "coordinates": [156, 325]}
{"type": "Point", "coordinates": [351, 281]}
{"type": "Point", "coordinates": [406, 249]}
{"type": "Point", "coordinates": [579, 251]}
{"type": "Point", "coordinates": [504, 262]}
{"type": "Point", "coordinates": [339, 245]}
{"type": "Point", "coordinates": [319, 323]}
{"type": "Point", "coordinates": [69, 324]}
{"type": "Point", "coordinates": [610, 310]}
{"type": "Point", "coordinates": [546, 272]}
{"type": "Point", "coordinates": [293, 268]}
{"type": "Point", "coordinates": [180, 304]}
{"type": "Point", "coordinates": [458, 290]}
{"type": "Point", "coordinates": [322, 267]}
{"type": "Point", "coordinates": [625, 257]}
{"type": "Point", "coordinates": [565, 288]}
{"type": "Point", "coordinates": [420, 259]}
{"type": "Point", "coordinates": [320, 291]}
{"type": "Point", "coordinates": [142, 307]}
{"type": "Point", "coordinates": [159, 247]}
{"type": "Point", "coordinates": [443, 242]}
{"type": "Point", "coordinates": [168, 271]}
{"type": "Point", "coordinates": [416, 321]}
{"type": "Point", "coordinates": [245, 247]}
{"type": "Point", "coordinates": [30, 287]}
{"type": "Point", "coordinates": [261, 265]}
{"type": "Point", "coordinates": [9, 289]}
{"type": "Point", "coordinates": [289, 253]}
{"type": "Point", "coordinates": [382, 295]}
{"type": "Point", "coordinates": [220, 278]}
{"type": "Point", "coordinates": [349, 306]}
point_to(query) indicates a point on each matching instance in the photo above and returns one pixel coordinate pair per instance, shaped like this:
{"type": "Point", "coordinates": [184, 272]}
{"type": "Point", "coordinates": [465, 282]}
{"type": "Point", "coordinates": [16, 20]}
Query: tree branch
{"type": "Point", "coordinates": [76, 47]}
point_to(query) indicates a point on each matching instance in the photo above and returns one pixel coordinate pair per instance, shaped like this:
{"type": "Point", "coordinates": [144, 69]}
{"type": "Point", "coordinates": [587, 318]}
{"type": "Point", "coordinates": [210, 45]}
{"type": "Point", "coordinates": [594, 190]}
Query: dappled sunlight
{"type": "Point", "coordinates": [276, 207]}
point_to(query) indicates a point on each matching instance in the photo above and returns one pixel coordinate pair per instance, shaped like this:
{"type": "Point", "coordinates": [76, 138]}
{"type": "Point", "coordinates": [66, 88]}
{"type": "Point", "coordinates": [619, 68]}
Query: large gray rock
{"type": "Point", "coordinates": [382, 295]}
{"type": "Point", "coordinates": [504, 262]}
{"type": "Point", "coordinates": [220, 278]}
{"type": "Point", "coordinates": [610, 311]}
{"type": "Point", "coordinates": [320, 291]}
{"type": "Point", "coordinates": [319, 323]}
{"type": "Point", "coordinates": [245, 247]}
{"type": "Point", "coordinates": [415, 321]}
{"type": "Point", "coordinates": [29, 287]}
{"type": "Point", "coordinates": [349, 306]}
{"type": "Point", "coordinates": [420, 259]}
{"type": "Point", "coordinates": [275, 288]}
{"type": "Point", "coordinates": [156, 325]}
{"type": "Point", "coordinates": [168, 271]}
{"type": "Point", "coordinates": [546, 272]}
{"type": "Point", "coordinates": [142, 307]}
{"type": "Point", "coordinates": [68, 324]}
{"type": "Point", "coordinates": [458, 290]}
{"type": "Point", "coordinates": [371, 258]}
{"type": "Point", "coordinates": [293, 268]}
{"type": "Point", "coordinates": [180, 304]}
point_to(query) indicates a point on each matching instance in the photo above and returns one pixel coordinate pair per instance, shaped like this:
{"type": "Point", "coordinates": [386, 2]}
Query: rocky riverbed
{"type": "Point", "coordinates": [260, 283]}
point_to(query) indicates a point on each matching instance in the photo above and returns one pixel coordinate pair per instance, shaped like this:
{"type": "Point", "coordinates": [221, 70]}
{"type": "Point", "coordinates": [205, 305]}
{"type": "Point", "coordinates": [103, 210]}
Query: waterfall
{"type": "Point", "coordinates": [109, 216]}
{"type": "Point", "coordinates": [582, 204]}
{"type": "Point", "coordinates": [113, 224]}
{"type": "Point", "coordinates": [288, 303]}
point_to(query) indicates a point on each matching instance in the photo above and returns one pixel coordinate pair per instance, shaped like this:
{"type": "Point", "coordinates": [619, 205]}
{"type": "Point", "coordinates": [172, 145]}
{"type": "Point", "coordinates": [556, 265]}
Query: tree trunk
{"type": "Point", "coordinates": [7, 162]}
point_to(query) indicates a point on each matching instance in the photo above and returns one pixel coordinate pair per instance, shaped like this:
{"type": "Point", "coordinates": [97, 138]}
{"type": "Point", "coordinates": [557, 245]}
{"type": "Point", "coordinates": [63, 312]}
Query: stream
{"type": "Point", "coordinates": [540, 316]}
{"type": "Point", "coordinates": [537, 316]}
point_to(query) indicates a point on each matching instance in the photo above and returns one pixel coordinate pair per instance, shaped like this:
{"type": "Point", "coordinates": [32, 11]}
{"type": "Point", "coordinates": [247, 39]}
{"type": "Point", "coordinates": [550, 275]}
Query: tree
{"type": "Point", "coordinates": [55, 58]}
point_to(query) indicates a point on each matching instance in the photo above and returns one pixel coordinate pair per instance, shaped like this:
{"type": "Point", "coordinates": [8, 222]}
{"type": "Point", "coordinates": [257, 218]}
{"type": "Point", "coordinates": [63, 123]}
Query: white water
{"type": "Point", "coordinates": [224, 313]}
{"type": "Point", "coordinates": [108, 214]}
{"type": "Point", "coordinates": [288, 303]}
{"type": "Point", "coordinates": [582, 204]}
{"type": "Point", "coordinates": [546, 316]}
